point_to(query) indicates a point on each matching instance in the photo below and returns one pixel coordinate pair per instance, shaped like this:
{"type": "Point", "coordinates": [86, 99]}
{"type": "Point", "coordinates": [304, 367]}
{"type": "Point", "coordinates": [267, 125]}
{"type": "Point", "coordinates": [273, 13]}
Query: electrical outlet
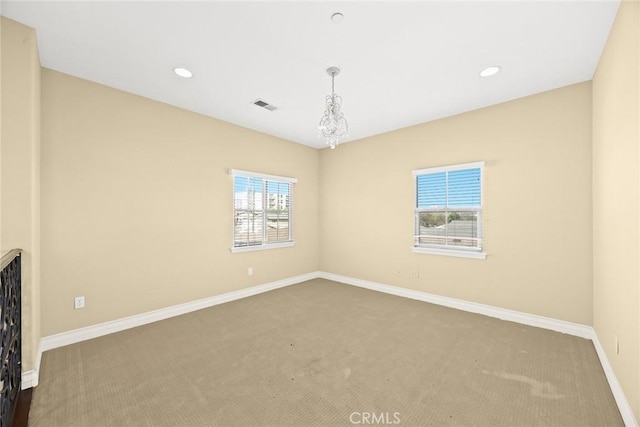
{"type": "Point", "coordinates": [78, 302]}
{"type": "Point", "coordinates": [250, 271]}
{"type": "Point", "coordinates": [414, 274]}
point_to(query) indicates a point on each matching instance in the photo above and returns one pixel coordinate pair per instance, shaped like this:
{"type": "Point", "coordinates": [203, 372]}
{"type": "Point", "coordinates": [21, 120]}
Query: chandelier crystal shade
{"type": "Point", "coordinates": [333, 126]}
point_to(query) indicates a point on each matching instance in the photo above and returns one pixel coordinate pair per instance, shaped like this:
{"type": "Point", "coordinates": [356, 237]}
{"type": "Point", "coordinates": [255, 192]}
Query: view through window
{"type": "Point", "coordinates": [262, 209]}
{"type": "Point", "coordinates": [448, 210]}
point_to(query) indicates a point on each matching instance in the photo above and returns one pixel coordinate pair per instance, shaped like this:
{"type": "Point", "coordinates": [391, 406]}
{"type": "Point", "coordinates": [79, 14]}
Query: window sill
{"type": "Point", "coordinates": [449, 252]}
{"type": "Point", "coordinates": [239, 249]}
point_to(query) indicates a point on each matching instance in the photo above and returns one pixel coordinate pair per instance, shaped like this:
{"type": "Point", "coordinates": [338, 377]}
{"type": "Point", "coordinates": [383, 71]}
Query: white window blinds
{"type": "Point", "coordinates": [262, 206]}
{"type": "Point", "coordinates": [448, 208]}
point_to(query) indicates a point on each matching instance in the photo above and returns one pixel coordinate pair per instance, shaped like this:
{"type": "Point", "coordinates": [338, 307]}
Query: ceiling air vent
{"type": "Point", "coordinates": [260, 103]}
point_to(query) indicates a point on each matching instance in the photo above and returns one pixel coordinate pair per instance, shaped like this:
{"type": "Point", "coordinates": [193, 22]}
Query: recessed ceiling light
{"type": "Point", "coordinates": [490, 71]}
{"type": "Point", "coordinates": [183, 72]}
{"type": "Point", "coordinates": [337, 18]}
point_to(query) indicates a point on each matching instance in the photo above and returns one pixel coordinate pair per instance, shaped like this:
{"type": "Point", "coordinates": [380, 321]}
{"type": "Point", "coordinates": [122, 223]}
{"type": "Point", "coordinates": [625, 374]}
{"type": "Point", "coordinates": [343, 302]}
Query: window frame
{"type": "Point", "coordinates": [265, 179]}
{"type": "Point", "coordinates": [449, 250]}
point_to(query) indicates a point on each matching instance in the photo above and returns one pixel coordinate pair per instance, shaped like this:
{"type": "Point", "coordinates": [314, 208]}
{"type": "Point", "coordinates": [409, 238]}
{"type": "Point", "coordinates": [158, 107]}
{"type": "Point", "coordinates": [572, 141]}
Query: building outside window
{"type": "Point", "coordinates": [448, 210]}
{"type": "Point", "coordinates": [262, 211]}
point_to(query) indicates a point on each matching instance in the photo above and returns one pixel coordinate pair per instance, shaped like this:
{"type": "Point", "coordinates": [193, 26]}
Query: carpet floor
{"type": "Point", "coordinates": [321, 353]}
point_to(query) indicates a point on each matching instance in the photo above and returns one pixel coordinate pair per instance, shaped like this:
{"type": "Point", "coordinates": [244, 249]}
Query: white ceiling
{"type": "Point", "coordinates": [402, 63]}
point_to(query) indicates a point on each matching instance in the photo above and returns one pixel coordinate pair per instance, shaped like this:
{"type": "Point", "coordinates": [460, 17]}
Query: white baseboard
{"type": "Point", "coordinates": [570, 328]}
{"type": "Point", "coordinates": [77, 335]}
{"type": "Point", "coordinates": [30, 378]}
{"type": "Point", "coordinates": [623, 404]}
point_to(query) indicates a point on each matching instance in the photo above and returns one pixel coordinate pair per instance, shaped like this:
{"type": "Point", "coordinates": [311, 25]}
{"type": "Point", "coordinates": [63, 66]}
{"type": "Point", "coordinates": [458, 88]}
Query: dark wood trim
{"type": "Point", "coordinates": [21, 415]}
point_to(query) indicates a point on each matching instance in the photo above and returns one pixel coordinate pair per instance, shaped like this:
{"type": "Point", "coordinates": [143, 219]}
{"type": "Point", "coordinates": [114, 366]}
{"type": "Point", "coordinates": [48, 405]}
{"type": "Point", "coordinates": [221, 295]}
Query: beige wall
{"type": "Point", "coordinates": [136, 201]}
{"type": "Point", "coordinates": [616, 200]}
{"type": "Point", "coordinates": [537, 216]}
{"type": "Point", "coordinates": [20, 170]}
{"type": "Point", "coordinates": [136, 204]}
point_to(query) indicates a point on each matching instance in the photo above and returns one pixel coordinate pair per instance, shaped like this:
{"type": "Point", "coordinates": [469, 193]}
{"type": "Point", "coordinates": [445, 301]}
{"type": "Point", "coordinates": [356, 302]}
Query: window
{"type": "Point", "coordinates": [262, 206]}
{"type": "Point", "coordinates": [448, 210]}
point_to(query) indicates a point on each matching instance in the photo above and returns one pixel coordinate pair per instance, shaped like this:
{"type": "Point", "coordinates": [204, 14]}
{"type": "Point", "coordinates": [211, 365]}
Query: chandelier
{"type": "Point", "coordinates": [333, 126]}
